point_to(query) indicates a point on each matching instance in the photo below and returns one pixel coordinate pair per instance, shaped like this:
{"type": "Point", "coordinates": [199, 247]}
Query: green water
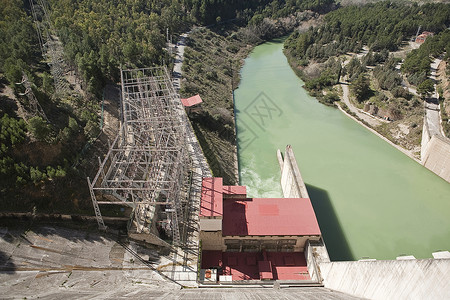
{"type": "Point", "coordinates": [370, 199]}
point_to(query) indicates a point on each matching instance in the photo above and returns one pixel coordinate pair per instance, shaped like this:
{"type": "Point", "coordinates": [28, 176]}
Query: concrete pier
{"type": "Point", "coordinates": [291, 180]}
{"type": "Point", "coordinates": [293, 186]}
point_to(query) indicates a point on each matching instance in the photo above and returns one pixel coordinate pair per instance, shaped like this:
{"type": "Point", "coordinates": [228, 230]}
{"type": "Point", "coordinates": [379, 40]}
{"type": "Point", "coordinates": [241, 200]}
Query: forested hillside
{"type": "Point", "coordinates": [44, 159]}
{"type": "Point", "coordinates": [370, 47]}
{"type": "Point", "coordinates": [44, 163]}
{"type": "Point", "coordinates": [213, 59]}
{"type": "Point", "coordinates": [99, 36]}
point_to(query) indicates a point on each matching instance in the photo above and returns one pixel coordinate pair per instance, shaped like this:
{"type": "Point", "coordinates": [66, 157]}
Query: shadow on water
{"type": "Point", "coordinates": [334, 238]}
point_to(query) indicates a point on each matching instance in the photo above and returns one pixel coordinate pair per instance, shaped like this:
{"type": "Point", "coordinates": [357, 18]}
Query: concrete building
{"type": "Point", "coordinates": [253, 238]}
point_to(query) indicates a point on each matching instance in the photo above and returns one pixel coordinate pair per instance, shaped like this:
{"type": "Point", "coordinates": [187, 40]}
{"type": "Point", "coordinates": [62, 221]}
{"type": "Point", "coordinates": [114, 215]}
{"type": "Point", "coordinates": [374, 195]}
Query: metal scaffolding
{"type": "Point", "coordinates": [147, 166]}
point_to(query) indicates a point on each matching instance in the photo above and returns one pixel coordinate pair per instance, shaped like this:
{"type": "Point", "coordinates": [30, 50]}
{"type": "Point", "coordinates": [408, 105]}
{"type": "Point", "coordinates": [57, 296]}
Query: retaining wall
{"type": "Point", "coordinates": [435, 153]}
{"type": "Point", "coordinates": [436, 156]}
{"type": "Point", "coordinates": [390, 279]}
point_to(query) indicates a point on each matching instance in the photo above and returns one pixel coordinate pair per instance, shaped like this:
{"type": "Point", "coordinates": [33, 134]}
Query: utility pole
{"type": "Point", "coordinates": [418, 31]}
{"type": "Point", "coordinates": [50, 45]}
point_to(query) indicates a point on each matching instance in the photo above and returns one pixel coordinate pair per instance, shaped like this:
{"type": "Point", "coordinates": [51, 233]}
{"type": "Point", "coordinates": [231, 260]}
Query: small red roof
{"type": "Point", "coordinates": [265, 269]}
{"type": "Point", "coordinates": [269, 216]}
{"type": "Point", "coordinates": [191, 100]}
{"type": "Point", "coordinates": [235, 190]}
{"type": "Point", "coordinates": [211, 204]}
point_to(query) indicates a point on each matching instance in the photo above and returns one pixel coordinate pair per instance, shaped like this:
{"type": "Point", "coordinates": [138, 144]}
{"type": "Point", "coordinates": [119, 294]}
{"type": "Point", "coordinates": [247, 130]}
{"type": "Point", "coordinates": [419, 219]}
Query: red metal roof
{"type": "Point", "coordinates": [245, 266]}
{"type": "Point", "coordinates": [265, 269]}
{"type": "Point", "coordinates": [211, 204]}
{"type": "Point", "coordinates": [234, 190]}
{"type": "Point", "coordinates": [269, 216]}
{"type": "Point", "coordinates": [191, 100]}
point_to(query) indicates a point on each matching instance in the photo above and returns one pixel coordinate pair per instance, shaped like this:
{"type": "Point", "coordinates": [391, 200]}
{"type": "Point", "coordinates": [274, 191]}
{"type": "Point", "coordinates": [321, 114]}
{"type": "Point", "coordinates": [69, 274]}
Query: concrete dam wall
{"type": "Point", "coordinates": [435, 153]}
{"type": "Point", "coordinates": [389, 279]}
{"type": "Point", "coordinates": [436, 156]}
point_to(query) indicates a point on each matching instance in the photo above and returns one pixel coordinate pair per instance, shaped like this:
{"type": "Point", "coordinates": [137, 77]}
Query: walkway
{"type": "Point", "coordinates": [194, 146]}
{"type": "Point", "coordinates": [432, 106]}
{"type": "Point", "coordinates": [363, 116]}
{"type": "Point", "coordinates": [179, 57]}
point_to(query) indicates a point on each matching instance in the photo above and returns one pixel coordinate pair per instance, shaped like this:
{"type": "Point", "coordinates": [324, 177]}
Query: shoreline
{"type": "Point", "coordinates": [404, 151]}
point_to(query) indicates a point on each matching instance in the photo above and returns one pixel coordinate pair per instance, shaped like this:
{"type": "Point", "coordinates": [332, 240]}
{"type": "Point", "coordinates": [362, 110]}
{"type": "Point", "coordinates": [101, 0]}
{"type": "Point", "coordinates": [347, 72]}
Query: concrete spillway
{"type": "Point", "coordinates": [435, 151]}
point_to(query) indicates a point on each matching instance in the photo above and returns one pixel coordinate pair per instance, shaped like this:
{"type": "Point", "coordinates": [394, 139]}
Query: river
{"type": "Point", "coordinates": [370, 199]}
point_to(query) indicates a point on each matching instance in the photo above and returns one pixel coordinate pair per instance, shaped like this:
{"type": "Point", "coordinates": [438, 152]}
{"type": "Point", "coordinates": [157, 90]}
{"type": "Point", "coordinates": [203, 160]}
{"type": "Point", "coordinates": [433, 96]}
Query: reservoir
{"type": "Point", "coordinates": [371, 200]}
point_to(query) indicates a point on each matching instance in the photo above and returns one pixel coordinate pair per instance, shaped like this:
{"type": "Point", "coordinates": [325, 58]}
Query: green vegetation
{"type": "Point", "coordinates": [378, 29]}
{"type": "Point", "coordinates": [44, 164]}
{"type": "Point", "coordinates": [383, 27]}
{"type": "Point", "coordinates": [417, 63]}
{"type": "Point", "coordinates": [36, 155]}
{"type": "Point", "coordinates": [18, 49]}
{"type": "Point", "coordinates": [361, 87]}
{"type": "Point", "coordinates": [210, 68]}
{"type": "Point", "coordinates": [100, 36]}
{"type": "Point", "coordinates": [211, 64]}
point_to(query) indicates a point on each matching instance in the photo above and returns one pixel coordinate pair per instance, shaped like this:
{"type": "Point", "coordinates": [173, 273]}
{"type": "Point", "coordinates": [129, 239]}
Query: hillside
{"type": "Point", "coordinates": [55, 124]}
{"type": "Point", "coordinates": [368, 48]}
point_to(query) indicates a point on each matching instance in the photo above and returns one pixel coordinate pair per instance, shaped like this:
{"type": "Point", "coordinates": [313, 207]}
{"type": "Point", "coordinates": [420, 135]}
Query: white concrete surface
{"type": "Point", "coordinates": [292, 183]}
{"type": "Point", "coordinates": [436, 156]}
{"type": "Point", "coordinates": [390, 279]}
{"type": "Point", "coordinates": [51, 262]}
{"type": "Point", "coordinates": [441, 255]}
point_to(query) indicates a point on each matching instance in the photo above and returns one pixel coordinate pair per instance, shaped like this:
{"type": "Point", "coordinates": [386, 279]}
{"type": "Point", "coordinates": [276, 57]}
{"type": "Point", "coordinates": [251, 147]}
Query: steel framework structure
{"type": "Point", "coordinates": [51, 47]}
{"type": "Point", "coordinates": [33, 108]}
{"type": "Point", "coordinates": [147, 166]}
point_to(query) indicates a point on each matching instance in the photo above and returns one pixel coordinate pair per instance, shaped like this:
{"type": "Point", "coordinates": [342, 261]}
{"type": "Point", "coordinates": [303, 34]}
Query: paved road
{"type": "Point", "coordinates": [194, 148]}
{"type": "Point", "coordinates": [370, 120]}
{"type": "Point", "coordinates": [432, 104]}
{"type": "Point", "coordinates": [179, 62]}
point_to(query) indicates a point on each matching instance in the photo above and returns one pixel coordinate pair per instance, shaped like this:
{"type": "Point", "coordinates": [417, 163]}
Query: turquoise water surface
{"type": "Point", "coordinates": [371, 200]}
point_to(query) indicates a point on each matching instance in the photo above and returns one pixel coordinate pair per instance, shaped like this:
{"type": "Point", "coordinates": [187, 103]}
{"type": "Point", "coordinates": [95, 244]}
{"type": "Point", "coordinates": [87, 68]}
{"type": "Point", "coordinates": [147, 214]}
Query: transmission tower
{"type": "Point", "coordinates": [34, 108]}
{"type": "Point", "coordinates": [51, 47]}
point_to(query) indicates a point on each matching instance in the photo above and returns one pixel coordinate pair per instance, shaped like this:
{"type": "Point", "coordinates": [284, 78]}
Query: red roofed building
{"type": "Point", "coordinates": [192, 104]}
{"type": "Point", "coordinates": [256, 217]}
{"type": "Point", "coordinates": [254, 238]}
{"type": "Point", "coordinates": [422, 37]}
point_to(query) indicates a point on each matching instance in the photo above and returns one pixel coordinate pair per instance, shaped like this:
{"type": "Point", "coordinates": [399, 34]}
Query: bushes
{"type": "Point", "coordinates": [325, 79]}
{"type": "Point", "coordinates": [331, 97]}
{"type": "Point", "coordinates": [361, 87]}
{"type": "Point", "coordinates": [39, 129]}
{"type": "Point", "coordinates": [12, 131]}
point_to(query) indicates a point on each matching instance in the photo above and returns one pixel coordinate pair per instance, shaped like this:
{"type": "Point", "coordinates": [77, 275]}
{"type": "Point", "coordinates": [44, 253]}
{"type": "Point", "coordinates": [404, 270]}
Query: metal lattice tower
{"type": "Point", "coordinates": [33, 108]}
{"type": "Point", "coordinates": [147, 166]}
{"type": "Point", "coordinates": [51, 47]}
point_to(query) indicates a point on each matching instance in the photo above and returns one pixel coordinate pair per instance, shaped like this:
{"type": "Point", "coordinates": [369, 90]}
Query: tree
{"type": "Point", "coordinates": [361, 87]}
{"type": "Point", "coordinates": [39, 128]}
{"type": "Point", "coordinates": [425, 88]}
